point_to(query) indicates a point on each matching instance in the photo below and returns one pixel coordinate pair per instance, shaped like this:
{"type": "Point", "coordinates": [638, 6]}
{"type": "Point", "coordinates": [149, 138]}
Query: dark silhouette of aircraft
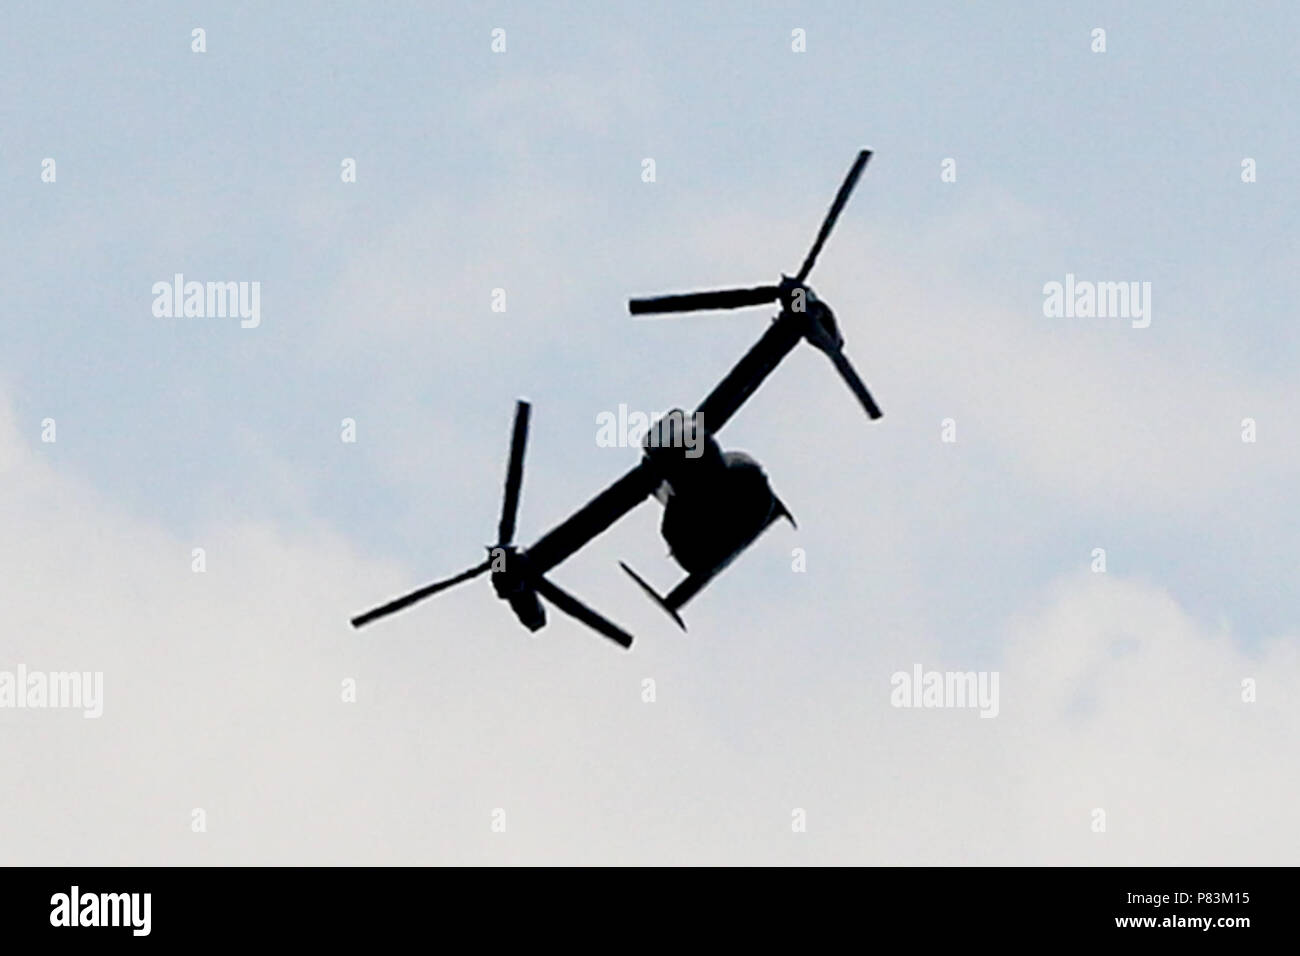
{"type": "Point", "coordinates": [716, 503]}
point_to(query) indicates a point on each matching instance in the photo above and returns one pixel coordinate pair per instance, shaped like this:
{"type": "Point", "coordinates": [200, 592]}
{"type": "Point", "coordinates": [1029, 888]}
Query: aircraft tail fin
{"type": "Point", "coordinates": [655, 596]}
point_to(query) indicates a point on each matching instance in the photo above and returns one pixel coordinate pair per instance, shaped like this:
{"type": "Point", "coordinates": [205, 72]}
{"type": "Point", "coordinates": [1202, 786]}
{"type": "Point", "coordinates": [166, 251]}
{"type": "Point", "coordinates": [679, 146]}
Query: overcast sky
{"type": "Point", "coordinates": [523, 170]}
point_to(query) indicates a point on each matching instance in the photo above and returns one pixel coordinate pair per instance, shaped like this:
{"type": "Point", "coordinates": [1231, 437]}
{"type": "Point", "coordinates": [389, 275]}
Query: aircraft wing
{"type": "Point", "coordinates": [593, 517]}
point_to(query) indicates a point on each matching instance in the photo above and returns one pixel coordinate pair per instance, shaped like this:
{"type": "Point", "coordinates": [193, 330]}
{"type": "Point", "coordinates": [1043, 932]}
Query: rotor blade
{"type": "Point", "coordinates": [855, 383]}
{"type": "Point", "coordinates": [571, 606]}
{"type": "Point", "coordinates": [696, 301]}
{"type": "Point", "coordinates": [420, 595]}
{"type": "Point", "coordinates": [841, 198]}
{"type": "Point", "coordinates": [514, 475]}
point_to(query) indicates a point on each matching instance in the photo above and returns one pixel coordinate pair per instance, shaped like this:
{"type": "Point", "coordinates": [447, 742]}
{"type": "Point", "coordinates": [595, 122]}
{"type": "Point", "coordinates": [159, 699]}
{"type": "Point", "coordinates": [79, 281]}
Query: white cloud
{"type": "Point", "coordinates": [222, 692]}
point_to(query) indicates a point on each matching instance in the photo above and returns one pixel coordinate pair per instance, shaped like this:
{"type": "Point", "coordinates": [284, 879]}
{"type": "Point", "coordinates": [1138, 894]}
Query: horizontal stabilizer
{"type": "Point", "coordinates": [654, 595]}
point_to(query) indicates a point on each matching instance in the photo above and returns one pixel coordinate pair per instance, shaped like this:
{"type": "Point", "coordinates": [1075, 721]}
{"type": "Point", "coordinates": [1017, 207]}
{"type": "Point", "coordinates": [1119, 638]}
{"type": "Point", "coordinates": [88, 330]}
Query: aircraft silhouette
{"type": "Point", "coordinates": [716, 503]}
